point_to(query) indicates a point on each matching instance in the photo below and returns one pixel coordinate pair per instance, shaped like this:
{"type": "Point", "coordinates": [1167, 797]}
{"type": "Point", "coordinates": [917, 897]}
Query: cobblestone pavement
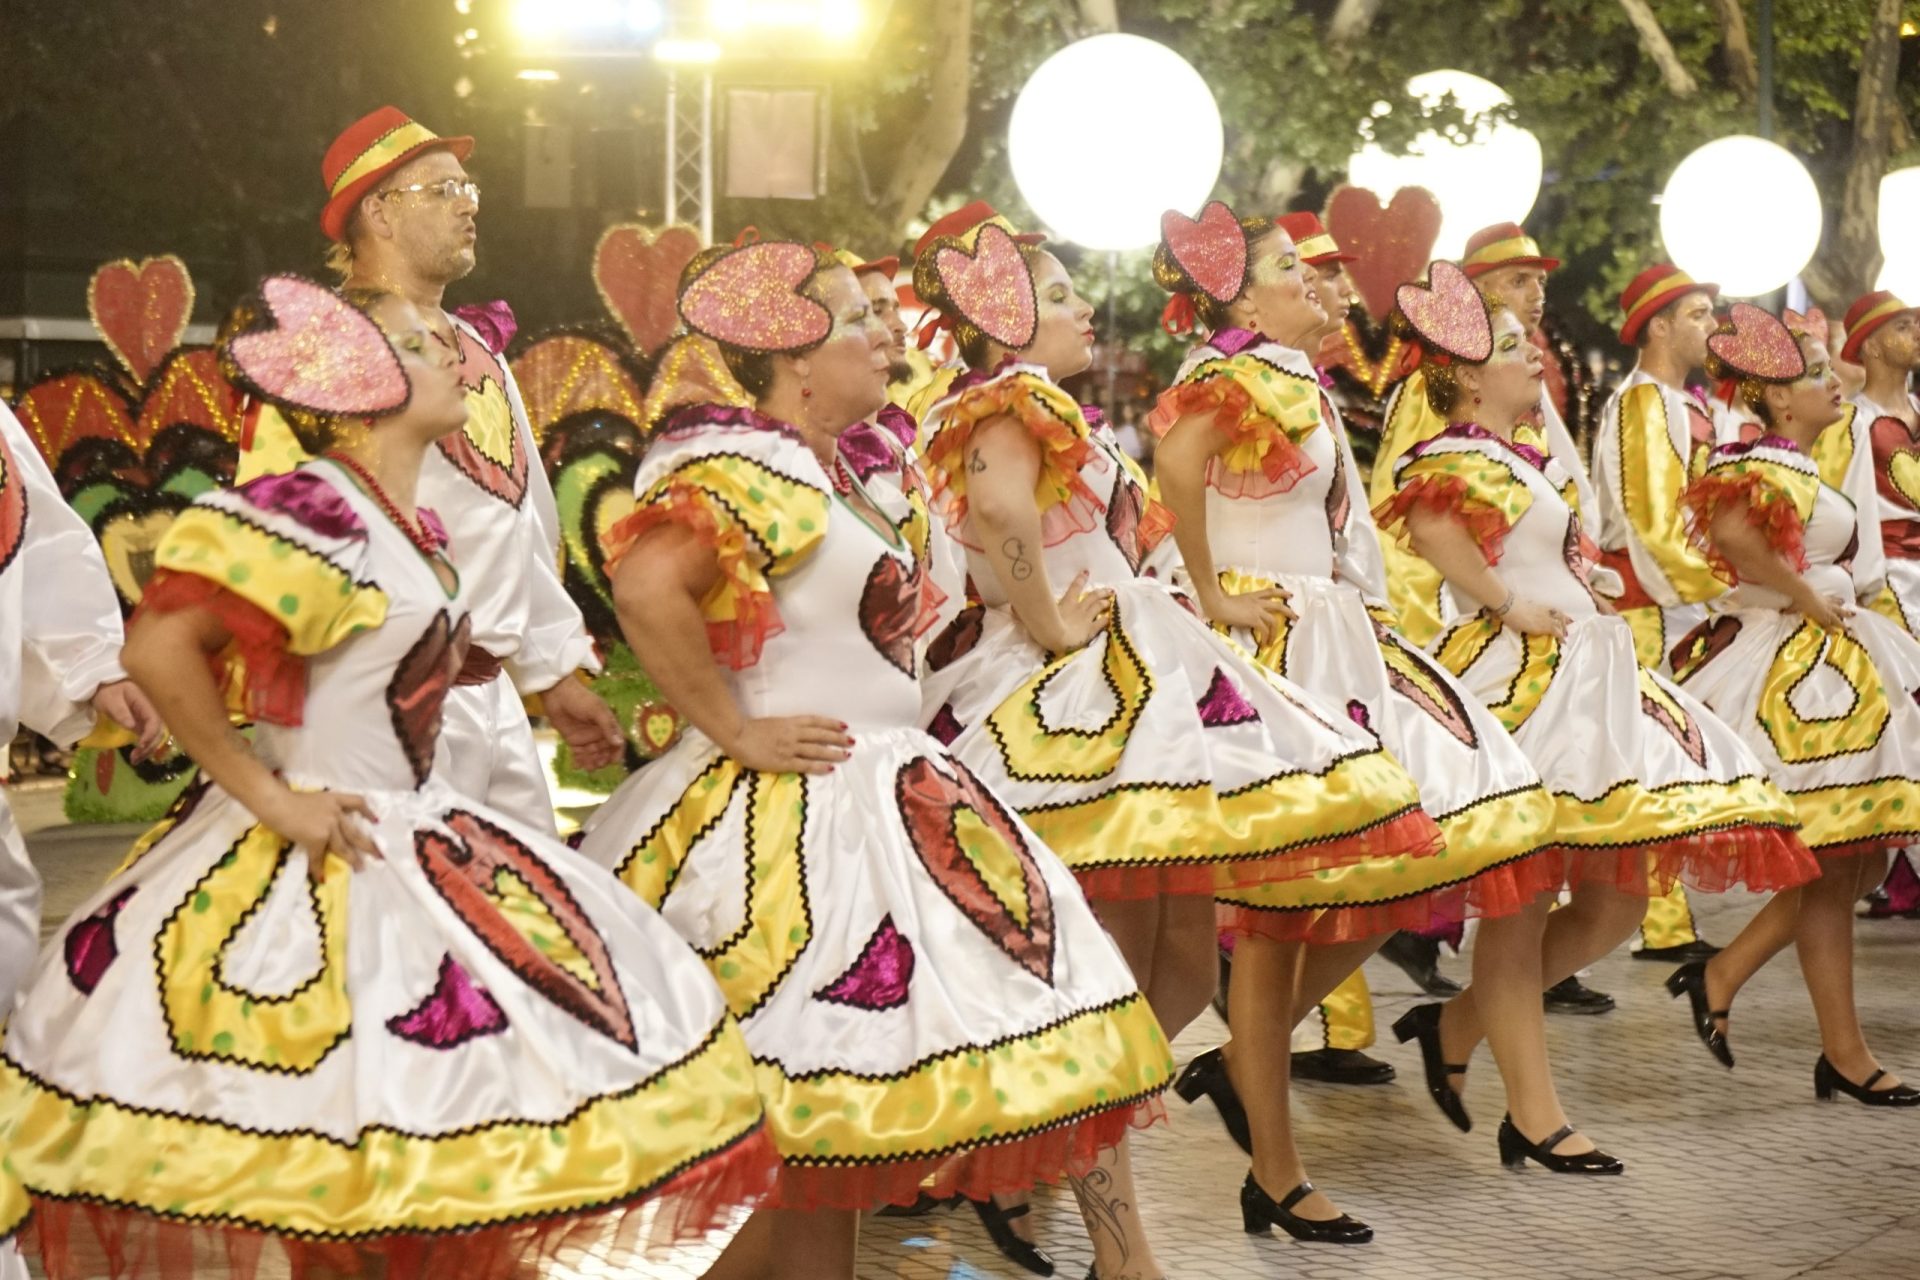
{"type": "Point", "coordinates": [1731, 1176]}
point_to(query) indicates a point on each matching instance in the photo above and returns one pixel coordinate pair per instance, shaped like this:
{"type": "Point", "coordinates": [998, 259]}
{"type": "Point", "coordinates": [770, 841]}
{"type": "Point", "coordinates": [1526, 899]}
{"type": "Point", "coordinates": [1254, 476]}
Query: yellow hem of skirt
{"type": "Point", "coordinates": [1487, 834]}
{"type": "Point", "coordinates": [1886, 808]}
{"type": "Point", "coordinates": [1633, 814]}
{"type": "Point", "coordinates": [1091, 1062]}
{"type": "Point", "coordinates": [195, 1169]}
{"type": "Point", "coordinates": [1157, 825]}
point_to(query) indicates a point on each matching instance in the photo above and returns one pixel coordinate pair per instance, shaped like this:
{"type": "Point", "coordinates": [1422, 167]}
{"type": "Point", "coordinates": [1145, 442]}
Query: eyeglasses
{"type": "Point", "coordinates": [446, 189]}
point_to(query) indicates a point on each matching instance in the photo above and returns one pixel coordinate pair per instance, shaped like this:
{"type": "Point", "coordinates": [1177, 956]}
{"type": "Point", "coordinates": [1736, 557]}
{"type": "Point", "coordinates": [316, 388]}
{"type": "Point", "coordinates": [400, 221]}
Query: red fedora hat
{"type": "Point", "coordinates": [368, 150]}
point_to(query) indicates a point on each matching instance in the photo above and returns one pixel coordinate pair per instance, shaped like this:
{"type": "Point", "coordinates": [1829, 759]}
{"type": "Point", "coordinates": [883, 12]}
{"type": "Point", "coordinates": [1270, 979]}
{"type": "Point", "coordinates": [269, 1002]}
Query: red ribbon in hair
{"type": "Point", "coordinates": [931, 327]}
{"type": "Point", "coordinates": [1726, 389]}
{"type": "Point", "coordinates": [1179, 316]}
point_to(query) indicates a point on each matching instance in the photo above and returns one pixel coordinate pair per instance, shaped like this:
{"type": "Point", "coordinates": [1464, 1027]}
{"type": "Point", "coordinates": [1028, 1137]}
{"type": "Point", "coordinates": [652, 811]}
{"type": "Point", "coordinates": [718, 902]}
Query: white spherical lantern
{"type": "Point", "coordinates": [1899, 246]}
{"type": "Point", "coordinates": [1743, 212]}
{"type": "Point", "coordinates": [1109, 133]}
{"type": "Point", "coordinates": [1491, 174]}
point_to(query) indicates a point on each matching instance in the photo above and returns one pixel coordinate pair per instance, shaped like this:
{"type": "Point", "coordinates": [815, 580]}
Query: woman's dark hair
{"type": "Point", "coordinates": [753, 370]}
{"type": "Point", "coordinates": [1209, 310]}
{"type": "Point", "coordinates": [1443, 382]}
{"type": "Point", "coordinates": [1753, 391]}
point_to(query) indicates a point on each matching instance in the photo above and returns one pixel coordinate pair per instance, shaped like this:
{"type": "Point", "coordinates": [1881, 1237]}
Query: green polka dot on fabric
{"type": "Point", "coordinates": [289, 604]}
{"type": "Point", "coordinates": [238, 573]}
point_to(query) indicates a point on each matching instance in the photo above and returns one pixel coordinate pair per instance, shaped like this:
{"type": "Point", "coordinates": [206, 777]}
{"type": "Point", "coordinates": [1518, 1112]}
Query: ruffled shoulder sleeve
{"type": "Point", "coordinates": [748, 488]}
{"type": "Point", "coordinates": [1771, 482]}
{"type": "Point", "coordinates": [283, 561]}
{"type": "Point", "coordinates": [1264, 398]}
{"type": "Point", "coordinates": [1463, 472]}
{"type": "Point", "coordinates": [1067, 504]}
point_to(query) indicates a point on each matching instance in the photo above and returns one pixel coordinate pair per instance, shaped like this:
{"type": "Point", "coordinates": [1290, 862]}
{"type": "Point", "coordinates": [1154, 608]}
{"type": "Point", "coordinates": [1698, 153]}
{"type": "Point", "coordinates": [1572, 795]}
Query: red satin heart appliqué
{"type": "Point", "coordinates": [465, 869]}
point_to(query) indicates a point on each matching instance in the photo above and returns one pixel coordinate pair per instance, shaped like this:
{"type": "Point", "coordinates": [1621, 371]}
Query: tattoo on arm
{"type": "Point", "coordinates": [1019, 567]}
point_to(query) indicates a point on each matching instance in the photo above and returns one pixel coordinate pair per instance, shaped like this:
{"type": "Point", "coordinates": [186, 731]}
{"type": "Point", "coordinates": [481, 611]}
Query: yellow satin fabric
{"type": "Point", "coordinates": [1035, 752]}
{"type": "Point", "coordinates": [1652, 478]}
{"type": "Point", "coordinates": [1346, 1015]}
{"type": "Point", "coordinates": [271, 449]}
{"type": "Point", "coordinates": [1841, 815]}
{"type": "Point", "coordinates": [653, 863]}
{"type": "Point", "coordinates": [1632, 814]}
{"type": "Point", "coordinates": [969, 1097]}
{"type": "Point", "coordinates": [318, 602]}
{"type": "Point", "coordinates": [1413, 585]}
{"type": "Point", "coordinates": [1833, 448]}
{"type": "Point", "coordinates": [1669, 920]}
{"type": "Point", "coordinates": [1802, 741]}
{"type": "Point", "coordinates": [1649, 626]}
{"type": "Point", "coordinates": [192, 1169]}
{"type": "Point", "coordinates": [1539, 659]}
{"type": "Point", "coordinates": [207, 1018]}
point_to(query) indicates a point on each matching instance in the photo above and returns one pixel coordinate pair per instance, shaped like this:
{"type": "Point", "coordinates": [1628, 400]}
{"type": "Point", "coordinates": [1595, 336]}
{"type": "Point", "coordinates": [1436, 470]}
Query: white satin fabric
{"type": "Point", "coordinates": [60, 640]}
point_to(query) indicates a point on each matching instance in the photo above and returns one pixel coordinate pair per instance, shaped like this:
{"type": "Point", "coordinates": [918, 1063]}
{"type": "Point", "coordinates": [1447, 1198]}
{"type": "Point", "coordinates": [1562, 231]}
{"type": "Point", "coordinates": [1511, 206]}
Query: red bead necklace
{"type": "Point", "coordinates": [423, 541]}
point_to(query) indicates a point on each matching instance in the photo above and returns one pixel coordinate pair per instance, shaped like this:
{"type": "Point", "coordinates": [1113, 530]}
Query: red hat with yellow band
{"type": "Point", "coordinates": [1311, 238]}
{"type": "Point", "coordinates": [1653, 289]}
{"type": "Point", "coordinates": [1504, 244]}
{"type": "Point", "coordinates": [887, 267]}
{"type": "Point", "coordinates": [968, 219]}
{"type": "Point", "coordinates": [368, 150]}
{"type": "Point", "coordinates": [1864, 316]}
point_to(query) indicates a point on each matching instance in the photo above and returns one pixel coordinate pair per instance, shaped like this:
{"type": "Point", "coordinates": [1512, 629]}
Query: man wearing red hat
{"type": "Point", "coordinates": [400, 211]}
{"type": "Point", "coordinates": [1654, 437]}
{"type": "Point", "coordinates": [1508, 268]}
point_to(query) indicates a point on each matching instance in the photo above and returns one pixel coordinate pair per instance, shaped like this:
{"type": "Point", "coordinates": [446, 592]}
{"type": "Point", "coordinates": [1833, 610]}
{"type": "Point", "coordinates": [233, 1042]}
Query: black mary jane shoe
{"type": "Point", "coordinates": [1341, 1066]}
{"type": "Point", "coordinates": [1690, 980]}
{"type": "Point", "coordinates": [1827, 1080]}
{"type": "Point", "coordinates": [1422, 1023]}
{"type": "Point", "coordinates": [998, 1221]}
{"type": "Point", "coordinates": [1259, 1212]}
{"type": "Point", "coordinates": [1515, 1151]}
{"type": "Point", "coordinates": [1206, 1076]}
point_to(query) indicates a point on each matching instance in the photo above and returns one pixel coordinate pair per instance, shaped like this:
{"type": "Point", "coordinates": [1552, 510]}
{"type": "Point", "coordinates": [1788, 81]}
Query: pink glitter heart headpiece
{"type": "Point", "coordinates": [1211, 249]}
{"type": "Point", "coordinates": [992, 286]}
{"type": "Point", "coordinates": [312, 350]}
{"type": "Point", "coordinates": [1753, 343]}
{"type": "Point", "coordinates": [1448, 314]}
{"type": "Point", "coordinates": [749, 299]}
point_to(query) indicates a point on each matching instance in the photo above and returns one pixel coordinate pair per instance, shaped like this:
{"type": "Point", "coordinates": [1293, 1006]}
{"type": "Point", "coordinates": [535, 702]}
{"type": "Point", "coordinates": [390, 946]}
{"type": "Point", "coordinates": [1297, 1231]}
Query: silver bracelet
{"type": "Point", "coordinates": [1505, 606]}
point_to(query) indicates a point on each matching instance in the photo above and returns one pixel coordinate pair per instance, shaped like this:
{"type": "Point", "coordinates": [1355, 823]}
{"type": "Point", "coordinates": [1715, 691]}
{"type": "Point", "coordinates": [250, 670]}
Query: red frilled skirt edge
{"type": "Point", "coordinates": [76, 1240]}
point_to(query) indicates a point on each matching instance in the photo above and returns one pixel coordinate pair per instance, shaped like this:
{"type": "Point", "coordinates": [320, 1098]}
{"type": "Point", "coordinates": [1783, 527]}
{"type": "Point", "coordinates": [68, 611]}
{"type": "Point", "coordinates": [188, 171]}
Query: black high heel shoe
{"type": "Point", "coordinates": [1206, 1076]}
{"type": "Point", "coordinates": [1422, 1023]}
{"type": "Point", "coordinates": [998, 1221]}
{"type": "Point", "coordinates": [1690, 980]}
{"type": "Point", "coordinates": [1827, 1079]}
{"type": "Point", "coordinates": [1515, 1151]}
{"type": "Point", "coordinates": [1259, 1212]}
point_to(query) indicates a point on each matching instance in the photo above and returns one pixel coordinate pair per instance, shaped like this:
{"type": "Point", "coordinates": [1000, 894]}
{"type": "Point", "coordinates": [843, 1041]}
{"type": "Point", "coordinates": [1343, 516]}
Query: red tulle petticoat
{"type": "Point", "coordinates": [1763, 859]}
{"type": "Point", "coordinates": [1498, 891]}
{"type": "Point", "coordinates": [1001, 1168]}
{"type": "Point", "coordinates": [76, 1240]}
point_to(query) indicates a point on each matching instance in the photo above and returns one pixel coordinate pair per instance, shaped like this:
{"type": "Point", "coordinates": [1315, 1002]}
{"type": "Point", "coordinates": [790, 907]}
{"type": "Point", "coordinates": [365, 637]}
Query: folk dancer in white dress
{"type": "Point", "coordinates": [60, 638]}
{"type": "Point", "coordinates": [917, 976]}
{"type": "Point", "coordinates": [330, 1001]}
{"type": "Point", "coordinates": [1649, 786]}
{"type": "Point", "coordinates": [1822, 690]}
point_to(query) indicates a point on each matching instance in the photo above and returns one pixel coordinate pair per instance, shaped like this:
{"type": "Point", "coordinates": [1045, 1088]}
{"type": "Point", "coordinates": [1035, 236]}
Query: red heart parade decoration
{"type": "Point", "coordinates": [1393, 244]}
{"type": "Point", "coordinates": [141, 310]}
{"type": "Point", "coordinates": [992, 286]}
{"type": "Point", "coordinates": [637, 271]}
{"type": "Point", "coordinates": [1211, 249]}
